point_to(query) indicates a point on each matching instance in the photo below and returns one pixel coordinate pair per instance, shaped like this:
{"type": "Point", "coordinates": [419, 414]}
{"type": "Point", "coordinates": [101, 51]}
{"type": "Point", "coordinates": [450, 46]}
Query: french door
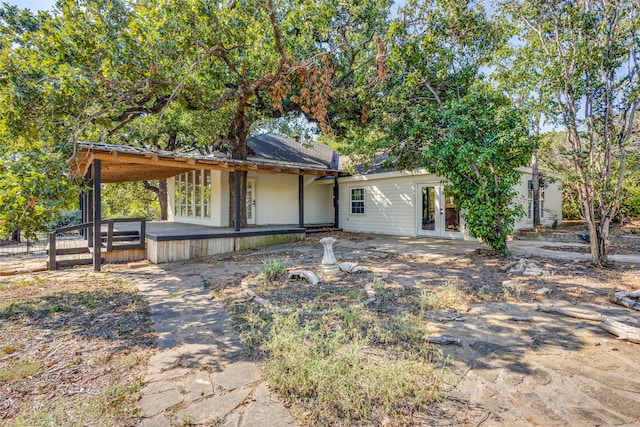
{"type": "Point", "coordinates": [438, 214]}
{"type": "Point", "coordinates": [251, 202]}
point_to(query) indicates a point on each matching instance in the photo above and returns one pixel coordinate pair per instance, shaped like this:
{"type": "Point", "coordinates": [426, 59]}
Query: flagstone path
{"type": "Point", "coordinates": [200, 375]}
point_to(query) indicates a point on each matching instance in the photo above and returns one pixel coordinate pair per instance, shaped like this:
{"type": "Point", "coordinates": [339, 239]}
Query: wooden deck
{"type": "Point", "coordinates": [168, 241]}
{"type": "Point", "coordinates": [174, 241]}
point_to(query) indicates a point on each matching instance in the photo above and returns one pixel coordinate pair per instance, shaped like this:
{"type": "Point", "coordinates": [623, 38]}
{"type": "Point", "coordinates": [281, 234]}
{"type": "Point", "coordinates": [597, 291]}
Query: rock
{"type": "Point", "coordinates": [310, 276]}
{"type": "Point", "coordinates": [346, 266]}
{"type": "Point", "coordinates": [526, 268]}
{"type": "Point", "coordinates": [532, 270]}
{"type": "Point", "coordinates": [508, 266]}
{"type": "Point", "coordinates": [350, 267]}
{"type": "Point", "coordinates": [518, 268]}
{"type": "Point", "coordinates": [138, 264]}
{"type": "Point", "coordinates": [544, 291]}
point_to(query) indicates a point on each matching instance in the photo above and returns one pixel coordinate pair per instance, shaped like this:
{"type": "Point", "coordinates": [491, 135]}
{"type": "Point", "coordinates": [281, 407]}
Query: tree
{"type": "Point", "coordinates": [130, 199]}
{"type": "Point", "coordinates": [432, 108]}
{"type": "Point", "coordinates": [587, 57]}
{"type": "Point", "coordinates": [33, 188]}
{"type": "Point", "coordinates": [179, 73]}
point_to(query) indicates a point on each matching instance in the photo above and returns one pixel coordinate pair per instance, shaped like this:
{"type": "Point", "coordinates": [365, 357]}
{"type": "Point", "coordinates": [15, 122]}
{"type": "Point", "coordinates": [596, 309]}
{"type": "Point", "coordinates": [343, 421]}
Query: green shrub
{"type": "Point", "coordinates": [65, 219]}
{"type": "Point", "coordinates": [273, 270]}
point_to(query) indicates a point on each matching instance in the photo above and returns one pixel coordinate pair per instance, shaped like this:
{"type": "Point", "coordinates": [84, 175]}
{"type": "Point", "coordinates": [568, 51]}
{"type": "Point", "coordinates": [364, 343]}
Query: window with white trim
{"type": "Point", "coordinates": [193, 194]}
{"type": "Point", "coordinates": [357, 201]}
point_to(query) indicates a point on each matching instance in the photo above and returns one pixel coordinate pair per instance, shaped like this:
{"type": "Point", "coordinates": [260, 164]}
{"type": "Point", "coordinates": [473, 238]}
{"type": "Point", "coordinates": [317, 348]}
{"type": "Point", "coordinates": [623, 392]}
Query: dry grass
{"type": "Point", "coordinates": [335, 360]}
{"type": "Point", "coordinates": [73, 349]}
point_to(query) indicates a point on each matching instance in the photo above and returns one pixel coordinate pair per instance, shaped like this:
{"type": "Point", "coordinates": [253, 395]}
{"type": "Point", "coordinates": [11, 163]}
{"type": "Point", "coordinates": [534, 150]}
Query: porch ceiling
{"type": "Point", "coordinates": [122, 164]}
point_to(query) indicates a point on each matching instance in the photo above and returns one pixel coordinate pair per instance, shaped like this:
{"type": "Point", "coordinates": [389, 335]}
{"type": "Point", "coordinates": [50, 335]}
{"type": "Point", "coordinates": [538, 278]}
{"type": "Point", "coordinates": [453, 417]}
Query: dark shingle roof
{"type": "Point", "coordinates": [289, 150]}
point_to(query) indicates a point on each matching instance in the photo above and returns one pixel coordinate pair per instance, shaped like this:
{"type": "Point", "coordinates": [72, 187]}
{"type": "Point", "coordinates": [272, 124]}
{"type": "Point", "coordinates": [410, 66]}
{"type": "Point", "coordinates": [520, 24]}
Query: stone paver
{"type": "Point", "coordinates": [199, 374]}
{"type": "Point", "coordinates": [213, 408]}
{"type": "Point", "coordinates": [237, 374]}
{"type": "Point", "coordinates": [152, 404]}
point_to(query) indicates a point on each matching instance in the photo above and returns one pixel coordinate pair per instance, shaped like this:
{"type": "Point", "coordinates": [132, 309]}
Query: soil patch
{"type": "Point", "coordinates": [73, 349]}
{"type": "Point", "coordinates": [549, 370]}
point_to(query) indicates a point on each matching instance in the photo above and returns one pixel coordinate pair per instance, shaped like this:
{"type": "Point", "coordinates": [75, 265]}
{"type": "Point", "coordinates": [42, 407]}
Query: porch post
{"type": "Point", "coordinates": [238, 192]}
{"type": "Point", "coordinates": [82, 212]}
{"type": "Point", "coordinates": [336, 203]}
{"type": "Point", "coordinates": [97, 217]}
{"type": "Point", "coordinates": [89, 214]}
{"type": "Point", "coordinates": [301, 201]}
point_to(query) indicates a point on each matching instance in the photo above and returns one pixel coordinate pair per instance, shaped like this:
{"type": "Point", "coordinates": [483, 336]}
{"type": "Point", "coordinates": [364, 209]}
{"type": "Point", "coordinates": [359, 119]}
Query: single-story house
{"type": "Point", "coordinates": [416, 203]}
{"type": "Point", "coordinates": [372, 200]}
{"type": "Point", "coordinates": [291, 187]}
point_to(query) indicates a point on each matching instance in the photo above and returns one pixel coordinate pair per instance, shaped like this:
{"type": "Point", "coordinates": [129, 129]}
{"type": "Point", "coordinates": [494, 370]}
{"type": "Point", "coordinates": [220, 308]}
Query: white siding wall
{"type": "Point", "coordinates": [389, 205]}
{"type": "Point", "coordinates": [390, 202]}
{"type": "Point", "coordinates": [318, 201]}
{"type": "Point", "coordinates": [552, 202]}
{"type": "Point", "coordinates": [276, 198]}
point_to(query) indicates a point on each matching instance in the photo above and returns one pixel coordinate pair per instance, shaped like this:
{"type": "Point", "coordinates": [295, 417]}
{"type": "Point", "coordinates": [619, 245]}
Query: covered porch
{"type": "Point", "coordinates": [166, 241]}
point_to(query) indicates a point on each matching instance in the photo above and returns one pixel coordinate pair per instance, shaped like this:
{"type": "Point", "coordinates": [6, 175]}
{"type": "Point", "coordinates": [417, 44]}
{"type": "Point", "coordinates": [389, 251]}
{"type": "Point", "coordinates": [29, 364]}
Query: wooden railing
{"type": "Point", "coordinates": [111, 239]}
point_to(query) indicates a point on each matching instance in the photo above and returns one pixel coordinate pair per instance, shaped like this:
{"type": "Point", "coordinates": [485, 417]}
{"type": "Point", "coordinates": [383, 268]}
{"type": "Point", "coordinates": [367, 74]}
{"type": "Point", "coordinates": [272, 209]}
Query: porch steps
{"type": "Point", "coordinates": [76, 261]}
{"type": "Point", "coordinates": [122, 236]}
{"type": "Point", "coordinates": [321, 229]}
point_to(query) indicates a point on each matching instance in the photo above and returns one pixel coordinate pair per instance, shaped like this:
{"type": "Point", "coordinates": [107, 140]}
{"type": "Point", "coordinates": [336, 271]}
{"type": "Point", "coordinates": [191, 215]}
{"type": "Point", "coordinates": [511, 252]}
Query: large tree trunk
{"type": "Point", "coordinates": [163, 199]}
{"type": "Point", "coordinates": [161, 192]}
{"type": "Point", "coordinates": [535, 178]}
{"type": "Point", "coordinates": [535, 190]}
{"type": "Point", "coordinates": [238, 133]}
{"type": "Point", "coordinates": [232, 199]}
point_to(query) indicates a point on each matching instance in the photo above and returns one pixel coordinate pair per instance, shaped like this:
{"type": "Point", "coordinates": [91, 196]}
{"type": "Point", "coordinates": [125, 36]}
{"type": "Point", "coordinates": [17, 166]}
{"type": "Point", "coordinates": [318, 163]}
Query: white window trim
{"type": "Point", "coordinates": [364, 201]}
{"type": "Point", "coordinates": [182, 209]}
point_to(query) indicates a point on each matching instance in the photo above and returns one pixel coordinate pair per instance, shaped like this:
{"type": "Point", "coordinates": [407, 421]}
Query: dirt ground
{"type": "Point", "coordinates": [549, 370]}
{"type": "Point", "coordinates": [73, 348]}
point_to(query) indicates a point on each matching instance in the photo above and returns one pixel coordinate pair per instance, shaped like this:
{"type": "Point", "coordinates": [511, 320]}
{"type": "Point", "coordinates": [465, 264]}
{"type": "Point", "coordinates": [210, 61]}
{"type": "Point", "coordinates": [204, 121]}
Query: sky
{"type": "Point", "coordinates": [32, 5]}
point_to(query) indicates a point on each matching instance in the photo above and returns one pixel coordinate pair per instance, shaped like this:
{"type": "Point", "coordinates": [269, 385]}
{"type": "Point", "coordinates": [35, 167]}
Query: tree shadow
{"type": "Point", "coordinates": [116, 315]}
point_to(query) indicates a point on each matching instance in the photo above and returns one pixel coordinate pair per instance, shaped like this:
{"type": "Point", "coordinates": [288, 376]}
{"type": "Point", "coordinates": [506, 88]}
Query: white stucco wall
{"type": "Point", "coordinates": [276, 198]}
{"type": "Point", "coordinates": [318, 201]}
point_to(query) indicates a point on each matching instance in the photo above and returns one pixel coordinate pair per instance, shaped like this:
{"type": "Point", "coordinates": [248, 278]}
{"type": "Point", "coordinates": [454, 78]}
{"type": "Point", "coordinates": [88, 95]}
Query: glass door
{"type": "Point", "coordinates": [429, 219]}
{"type": "Point", "coordinates": [438, 214]}
{"type": "Point", "coordinates": [251, 202]}
{"type": "Point", "coordinates": [451, 215]}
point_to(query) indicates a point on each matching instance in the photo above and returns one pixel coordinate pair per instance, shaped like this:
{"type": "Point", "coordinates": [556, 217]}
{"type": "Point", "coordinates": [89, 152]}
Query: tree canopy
{"type": "Point", "coordinates": [176, 74]}
{"type": "Point", "coordinates": [432, 108]}
{"type": "Point", "coordinates": [585, 58]}
{"type": "Point", "coordinates": [418, 85]}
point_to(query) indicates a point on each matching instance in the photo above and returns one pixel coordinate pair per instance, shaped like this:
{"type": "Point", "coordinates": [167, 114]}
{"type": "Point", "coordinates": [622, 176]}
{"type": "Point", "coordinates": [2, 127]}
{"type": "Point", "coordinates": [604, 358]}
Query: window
{"type": "Point", "coordinates": [197, 199]}
{"type": "Point", "coordinates": [193, 194]}
{"type": "Point", "coordinates": [530, 199]}
{"type": "Point", "coordinates": [357, 201]}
